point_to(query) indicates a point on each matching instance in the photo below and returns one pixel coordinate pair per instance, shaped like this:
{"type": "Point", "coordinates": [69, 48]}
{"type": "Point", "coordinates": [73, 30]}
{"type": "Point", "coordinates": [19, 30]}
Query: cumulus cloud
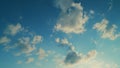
{"type": "Point", "coordinates": [74, 59]}
{"type": "Point", "coordinates": [13, 29]}
{"type": "Point", "coordinates": [106, 32]}
{"type": "Point", "coordinates": [25, 45]}
{"type": "Point", "coordinates": [71, 58]}
{"type": "Point", "coordinates": [41, 53]}
{"type": "Point", "coordinates": [37, 39]}
{"type": "Point", "coordinates": [29, 60]}
{"type": "Point", "coordinates": [4, 40]}
{"type": "Point", "coordinates": [72, 17]}
{"type": "Point", "coordinates": [65, 42]}
{"type": "Point", "coordinates": [91, 55]}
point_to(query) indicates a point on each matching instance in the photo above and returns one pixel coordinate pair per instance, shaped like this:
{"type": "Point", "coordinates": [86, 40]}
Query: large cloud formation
{"type": "Point", "coordinates": [72, 17]}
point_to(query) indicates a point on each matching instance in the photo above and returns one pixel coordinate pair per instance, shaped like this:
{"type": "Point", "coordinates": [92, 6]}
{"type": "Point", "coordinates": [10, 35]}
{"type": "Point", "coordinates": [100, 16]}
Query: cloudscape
{"type": "Point", "coordinates": [59, 34]}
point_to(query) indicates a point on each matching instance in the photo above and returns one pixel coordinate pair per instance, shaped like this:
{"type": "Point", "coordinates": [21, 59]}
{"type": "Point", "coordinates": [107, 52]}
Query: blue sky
{"type": "Point", "coordinates": [59, 34]}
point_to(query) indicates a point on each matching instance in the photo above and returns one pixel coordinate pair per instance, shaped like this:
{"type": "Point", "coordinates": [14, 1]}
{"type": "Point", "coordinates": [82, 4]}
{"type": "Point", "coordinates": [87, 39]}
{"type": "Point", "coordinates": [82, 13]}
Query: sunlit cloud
{"type": "Point", "coordinates": [72, 17]}
{"type": "Point", "coordinates": [4, 40]}
{"type": "Point", "coordinates": [106, 32]}
{"type": "Point", "coordinates": [13, 29]}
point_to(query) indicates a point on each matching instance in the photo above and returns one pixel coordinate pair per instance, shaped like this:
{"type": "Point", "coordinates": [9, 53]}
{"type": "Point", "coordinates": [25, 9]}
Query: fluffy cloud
{"type": "Point", "coordinates": [37, 39]}
{"type": "Point", "coordinates": [102, 27]}
{"type": "Point", "coordinates": [27, 44]}
{"type": "Point", "coordinates": [41, 53]}
{"type": "Point", "coordinates": [65, 42]}
{"type": "Point", "coordinates": [91, 55]}
{"type": "Point", "coordinates": [75, 58]}
{"type": "Point", "coordinates": [4, 40]}
{"type": "Point", "coordinates": [13, 29]}
{"type": "Point", "coordinates": [29, 60]}
{"type": "Point", "coordinates": [24, 45]}
{"type": "Point", "coordinates": [72, 18]}
{"type": "Point", "coordinates": [71, 58]}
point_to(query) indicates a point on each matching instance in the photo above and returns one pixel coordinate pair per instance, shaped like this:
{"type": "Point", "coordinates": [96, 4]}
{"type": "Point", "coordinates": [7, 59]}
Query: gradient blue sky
{"type": "Point", "coordinates": [59, 34]}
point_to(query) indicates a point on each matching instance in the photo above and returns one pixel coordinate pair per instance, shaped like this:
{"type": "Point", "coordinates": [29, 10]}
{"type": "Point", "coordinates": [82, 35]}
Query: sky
{"type": "Point", "coordinates": [59, 34]}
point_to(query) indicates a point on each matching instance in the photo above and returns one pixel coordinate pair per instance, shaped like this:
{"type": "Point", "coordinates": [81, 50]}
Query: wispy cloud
{"type": "Point", "coordinates": [4, 40]}
{"type": "Point", "coordinates": [41, 53]}
{"type": "Point", "coordinates": [29, 60]}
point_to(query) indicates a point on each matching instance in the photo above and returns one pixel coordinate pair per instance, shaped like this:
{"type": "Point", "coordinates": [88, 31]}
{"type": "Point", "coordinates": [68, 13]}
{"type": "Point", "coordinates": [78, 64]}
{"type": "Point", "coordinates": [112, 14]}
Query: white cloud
{"type": "Point", "coordinates": [74, 59]}
{"type": "Point", "coordinates": [57, 40]}
{"type": "Point", "coordinates": [41, 53]}
{"type": "Point", "coordinates": [102, 27]}
{"type": "Point", "coordinates": [4, 40]}
{"type": "Point", "coordinates": [13, 29]}
{"type": "Point", "coordinates": [72, 18]}
{"type": "Point", "coordinates": [29, 60]}
{"type": "Point", "coordinates": [37, 39]}
{"type": "Point", "coordinates": [63, 41]}
{"type": "Point", "coordinates": [26, 45]}
{"type": "Point", "coordinates": [91, 55]}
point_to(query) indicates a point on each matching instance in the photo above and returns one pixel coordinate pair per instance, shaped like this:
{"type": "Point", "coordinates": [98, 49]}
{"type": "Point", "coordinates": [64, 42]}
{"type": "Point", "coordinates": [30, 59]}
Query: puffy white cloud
{"type": "Point", "coordinates": [13, 29]}
{"type": "Point", "coordinates": [102, 27]}
{"type": "Point", "coordinates": [65, 42]}
{"type": "Point", "coordinates": [72, 18]}
{"type": "Point", "coordinates": [29, 60]}
{"type": "Point", "coordinates": [91, 55]}
{"type": "Point", "coordinates": [74, 59]}
{"type": "Point", "coordinates": [4, 40]}
{"type": "Point", "coordinates": [24, 45]}
{"type": "Point", "coordinates": [41, 53]}
{"type": "Point", "coordinates": [37, 39]}
{"type": "Point", "coordinates": [57, 40]}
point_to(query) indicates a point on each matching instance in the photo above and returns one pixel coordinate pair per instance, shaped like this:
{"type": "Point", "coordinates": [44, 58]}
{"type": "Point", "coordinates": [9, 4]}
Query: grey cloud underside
{"type": "Point", "coordinates": [71, 58]}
